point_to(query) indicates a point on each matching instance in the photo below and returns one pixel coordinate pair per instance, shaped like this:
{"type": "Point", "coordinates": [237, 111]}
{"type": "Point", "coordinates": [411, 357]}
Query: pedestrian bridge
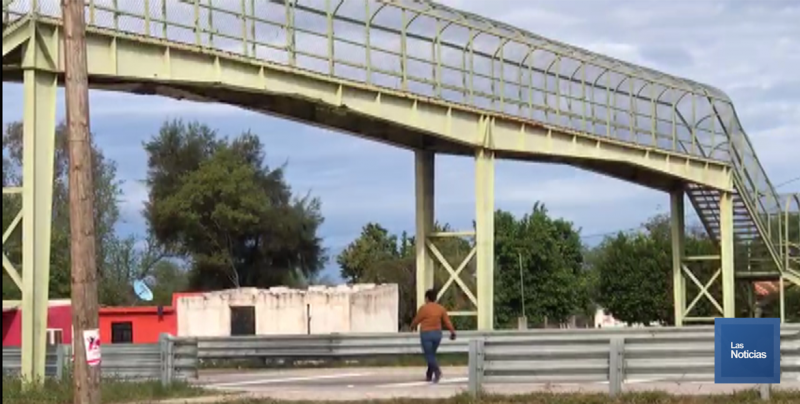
{"type": "Point", "coordinates": [430, 79]}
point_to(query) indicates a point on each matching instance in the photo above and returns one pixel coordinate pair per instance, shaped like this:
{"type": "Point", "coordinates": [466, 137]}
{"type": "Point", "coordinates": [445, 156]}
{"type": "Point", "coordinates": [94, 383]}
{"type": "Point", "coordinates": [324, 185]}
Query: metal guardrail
{"type": "Point", "coordinates": [12, 361]}
{"type": "Point", "coordinates": [167, 360]}
{"type": "Point", "coordinates": [368, 345]}
{"type": "Point", "coordinates": [534, 356]}
{"type": "Point", "coordinates": [680, 357]}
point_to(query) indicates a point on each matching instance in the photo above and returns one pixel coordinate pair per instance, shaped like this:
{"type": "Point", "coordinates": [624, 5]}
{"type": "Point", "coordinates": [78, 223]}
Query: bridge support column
{"type": "Point", "coordinates": [678, 227]}
{"type": "Point", "coordinates": [38, 149]}
{"type": "Point", "coordinates": [424, 190]}
{"type": "Point", "coordinates": [484, 236]}
{"type": "Point", "coordinates": [727, 254]}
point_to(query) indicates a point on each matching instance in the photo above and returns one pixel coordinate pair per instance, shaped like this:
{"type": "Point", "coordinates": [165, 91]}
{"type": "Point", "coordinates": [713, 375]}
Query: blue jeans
{"type": "Point", "coordinates": [430, 343]}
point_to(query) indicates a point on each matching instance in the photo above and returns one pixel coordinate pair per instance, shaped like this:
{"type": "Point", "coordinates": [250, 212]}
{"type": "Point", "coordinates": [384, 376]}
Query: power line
{"type": "Point", "coordinates": [793, 180]}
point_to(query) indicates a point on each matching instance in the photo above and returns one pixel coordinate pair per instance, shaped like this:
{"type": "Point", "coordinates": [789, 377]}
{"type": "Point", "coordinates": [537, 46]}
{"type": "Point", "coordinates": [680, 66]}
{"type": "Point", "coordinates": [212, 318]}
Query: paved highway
{"type": "Point", "coordinates": [379, 383]}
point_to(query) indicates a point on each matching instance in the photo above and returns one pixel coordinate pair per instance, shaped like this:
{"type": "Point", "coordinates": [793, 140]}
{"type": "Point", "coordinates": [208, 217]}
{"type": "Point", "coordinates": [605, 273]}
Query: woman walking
{"type": "Point", "coordinates": [430, 318]}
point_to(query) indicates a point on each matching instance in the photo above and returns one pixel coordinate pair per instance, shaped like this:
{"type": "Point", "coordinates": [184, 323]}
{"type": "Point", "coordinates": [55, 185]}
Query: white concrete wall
{"type": "Point", "coordinates": [341, 309]}
{"type": "Point", "coordinates": [375, 310]}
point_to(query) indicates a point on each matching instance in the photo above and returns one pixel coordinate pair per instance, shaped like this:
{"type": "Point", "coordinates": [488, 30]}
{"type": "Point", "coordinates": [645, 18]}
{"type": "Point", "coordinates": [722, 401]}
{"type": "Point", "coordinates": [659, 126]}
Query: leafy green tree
{"type": "Point", "coordinates": [167, 278]}
{"type": "Point", "coordinates": [374, 245]}
{"type": "Point", "coordinates": [215, 202]}
{"type": "Point", "coordinates": [634, 278]}
{"type": "Point", "coordinates": [545, 256]}
{"type": "Point", "coordinates": [377, 256]}
{"type": "Point", "coordinates": [106, 210]}
{"type": "Point", "coordinates": [635, 275]}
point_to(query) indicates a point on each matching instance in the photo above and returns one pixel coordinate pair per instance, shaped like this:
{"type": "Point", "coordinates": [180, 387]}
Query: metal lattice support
{"type": "Point", "coordinates": [683, 266]}
{"type": "Point", "coordinates": [428, 254]}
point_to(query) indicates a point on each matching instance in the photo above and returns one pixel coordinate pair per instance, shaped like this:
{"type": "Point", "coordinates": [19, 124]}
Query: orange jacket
{"type": "Point", "coordinates": [430, 317]}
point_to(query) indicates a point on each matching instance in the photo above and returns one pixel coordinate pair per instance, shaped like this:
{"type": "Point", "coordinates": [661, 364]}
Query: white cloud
{"type": "Point", "coordinates": [135, 193]}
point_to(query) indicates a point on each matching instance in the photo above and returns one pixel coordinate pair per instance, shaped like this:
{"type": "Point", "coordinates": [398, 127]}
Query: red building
{"type": "Point", "coordinates": [139, 325]}
{"type": "Point", "coordinates": [59, 322]}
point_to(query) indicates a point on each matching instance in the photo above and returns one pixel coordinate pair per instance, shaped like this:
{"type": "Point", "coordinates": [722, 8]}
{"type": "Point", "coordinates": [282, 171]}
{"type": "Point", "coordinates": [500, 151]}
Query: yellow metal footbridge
{"type": "Point", "coordinates": [427, 78]}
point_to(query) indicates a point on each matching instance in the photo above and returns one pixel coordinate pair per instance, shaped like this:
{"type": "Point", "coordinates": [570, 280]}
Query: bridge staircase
{"type": "Point", "coordinates": [761, 250]}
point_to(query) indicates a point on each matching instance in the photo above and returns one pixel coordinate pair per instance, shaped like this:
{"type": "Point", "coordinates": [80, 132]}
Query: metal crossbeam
{"type": "Point", "coordinates": [703, 291]}
{"type": "Point", "coordinates": [455, 275]}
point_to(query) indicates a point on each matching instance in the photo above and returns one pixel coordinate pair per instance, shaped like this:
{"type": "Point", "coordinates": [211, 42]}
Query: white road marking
{"type": "Point", "coordinates": [635, 381]}
{"type": "Point", "coordinates": [285, 380]}
{"type": "Point", "coordinates": [455, 380]}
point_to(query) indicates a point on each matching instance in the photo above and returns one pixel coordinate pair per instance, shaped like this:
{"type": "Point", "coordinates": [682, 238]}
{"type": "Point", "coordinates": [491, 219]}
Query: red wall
{"type": "Point", "coordinates": [57, 317]}
{"type": "Point", "coordinates": [146, 323]}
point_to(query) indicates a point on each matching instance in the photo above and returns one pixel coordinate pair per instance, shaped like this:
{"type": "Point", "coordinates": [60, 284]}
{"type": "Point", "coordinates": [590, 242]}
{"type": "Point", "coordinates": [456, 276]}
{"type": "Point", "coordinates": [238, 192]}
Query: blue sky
{"type": "Point", "coordinates": [750, 50]}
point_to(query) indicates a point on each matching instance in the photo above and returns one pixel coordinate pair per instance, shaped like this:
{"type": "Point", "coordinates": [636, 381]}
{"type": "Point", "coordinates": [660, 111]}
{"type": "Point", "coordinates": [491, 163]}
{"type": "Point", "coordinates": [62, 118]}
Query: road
{"type": "Point", "coordinates": [383, 383]}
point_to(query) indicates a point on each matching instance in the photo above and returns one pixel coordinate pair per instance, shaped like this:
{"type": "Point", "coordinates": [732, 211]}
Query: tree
{"type": "Point", "coordinates": [374, 245]}
{"type": "Point", "coordinates": [106, 209]}
{"type": "Point", "coordinates": [544, 255]}
{"type": "Point", "coordinates": [214, 202]}
{"type": "Point", "coordinates": [127, 263]}
{"type": "Point", "coordinates": [167, 278]}
{"type": "Point", "coordinates": [634, 283]}
{"type": "Point", "coordinates": [635, 275]}
{"type": "Point", "coordinates": [378, 256]}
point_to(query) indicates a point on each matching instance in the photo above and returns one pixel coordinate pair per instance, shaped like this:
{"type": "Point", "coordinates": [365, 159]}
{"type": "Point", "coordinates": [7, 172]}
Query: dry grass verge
{"type": "Point", "coordinates": [113, 391]}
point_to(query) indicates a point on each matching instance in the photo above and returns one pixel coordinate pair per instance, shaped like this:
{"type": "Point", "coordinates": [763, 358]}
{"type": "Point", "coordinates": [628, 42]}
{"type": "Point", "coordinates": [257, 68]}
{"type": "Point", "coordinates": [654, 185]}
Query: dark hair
{"type": "Point", "coordinates": [430, 295]}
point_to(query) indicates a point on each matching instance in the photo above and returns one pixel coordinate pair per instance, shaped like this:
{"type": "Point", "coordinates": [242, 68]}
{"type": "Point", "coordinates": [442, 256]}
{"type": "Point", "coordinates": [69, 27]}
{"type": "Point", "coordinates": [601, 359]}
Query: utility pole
{"type": "Point", "coordinates": [86, 370]}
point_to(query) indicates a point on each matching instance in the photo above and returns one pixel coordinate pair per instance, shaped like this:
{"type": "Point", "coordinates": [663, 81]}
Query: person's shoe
{"type": "Point", "coordinates": [437, 376]}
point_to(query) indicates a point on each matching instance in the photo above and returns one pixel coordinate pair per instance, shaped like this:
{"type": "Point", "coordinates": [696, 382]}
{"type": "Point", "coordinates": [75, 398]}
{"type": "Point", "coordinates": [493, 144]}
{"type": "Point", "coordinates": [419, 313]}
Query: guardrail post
{"type": "Point", "coordinates": [60, 355]}
{"type": "Point", "coordinates": [616, 362]}
{"type": "Point", "coordinates": [167, 368]}
{"type": "Point", "coordinates": [764, 390]}
{"type": "Point", "coordinates": [476, 356]}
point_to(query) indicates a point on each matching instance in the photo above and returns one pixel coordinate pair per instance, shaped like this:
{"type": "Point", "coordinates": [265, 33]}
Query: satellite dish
{"type": "Point", "coordinates": [142, 291]}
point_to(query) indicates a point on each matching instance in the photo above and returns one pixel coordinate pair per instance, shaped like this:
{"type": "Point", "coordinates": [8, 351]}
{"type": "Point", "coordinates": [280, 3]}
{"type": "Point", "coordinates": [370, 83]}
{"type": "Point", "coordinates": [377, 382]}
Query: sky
{"type": "Point", "coordinates": [748, 49]}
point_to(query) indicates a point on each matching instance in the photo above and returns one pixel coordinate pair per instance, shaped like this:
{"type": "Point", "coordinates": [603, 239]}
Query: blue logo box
{"type": "Point", "coordinates": [747, 350]}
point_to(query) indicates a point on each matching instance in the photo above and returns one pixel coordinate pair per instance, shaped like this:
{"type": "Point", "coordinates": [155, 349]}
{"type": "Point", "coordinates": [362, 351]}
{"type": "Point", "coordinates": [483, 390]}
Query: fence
{"type": "Point", "coordinates": [533, 356]}
{"type": "Point", "coordinates": [368, 345]}
{"type": "Point", "coordinates": [680, 357]}
{"type": "Point", "coordinates": [167, 360]}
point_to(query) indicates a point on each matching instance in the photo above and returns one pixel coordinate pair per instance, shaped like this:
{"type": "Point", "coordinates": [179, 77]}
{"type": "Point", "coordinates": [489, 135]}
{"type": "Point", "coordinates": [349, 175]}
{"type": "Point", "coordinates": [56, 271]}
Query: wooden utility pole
{"type": "Point", "coordinates": [86, 376]}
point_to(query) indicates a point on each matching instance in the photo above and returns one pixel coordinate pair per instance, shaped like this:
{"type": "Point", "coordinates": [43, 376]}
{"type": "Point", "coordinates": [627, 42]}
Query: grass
{"type": "Point", "coordinates": [114, 391]}
{"type": "Point", "coordinates": [747, 397]}
{"type": "Point", "coordinates": [121, 391]}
